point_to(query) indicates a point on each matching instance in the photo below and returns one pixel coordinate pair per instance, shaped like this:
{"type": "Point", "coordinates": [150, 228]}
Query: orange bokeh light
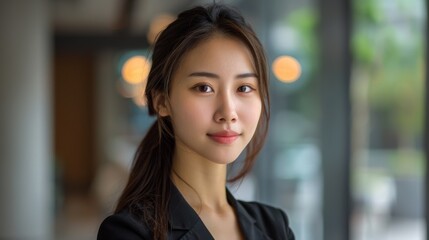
{"type": "Point", "coordinates": [135, 70]}
{"type": "Point", "coordinates": [286, 69]}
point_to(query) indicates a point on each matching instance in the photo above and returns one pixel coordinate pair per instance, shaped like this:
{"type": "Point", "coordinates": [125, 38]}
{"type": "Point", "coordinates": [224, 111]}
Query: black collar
{"type": "Point", "coordinates": [185, 222]}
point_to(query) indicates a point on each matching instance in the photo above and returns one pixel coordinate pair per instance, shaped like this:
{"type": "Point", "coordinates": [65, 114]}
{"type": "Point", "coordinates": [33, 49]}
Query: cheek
{"type": "Point", "coordinates": [251, 115]}
{"type": "Point", "coordinates": [189, 112]}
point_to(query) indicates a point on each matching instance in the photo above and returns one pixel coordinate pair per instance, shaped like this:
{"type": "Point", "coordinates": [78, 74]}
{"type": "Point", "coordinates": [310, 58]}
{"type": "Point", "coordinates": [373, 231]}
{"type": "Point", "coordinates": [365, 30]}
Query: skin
{"type": "Point", "coordinates": [214, 89]}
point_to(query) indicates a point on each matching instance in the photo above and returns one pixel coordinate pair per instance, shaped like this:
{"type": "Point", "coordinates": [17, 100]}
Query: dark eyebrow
{"type": "Point", "coordinates": [203, 74]}
{"type": "Point", "coordinates": [247, 75]}
{"type": "Point", "coordinates": [213, 75]}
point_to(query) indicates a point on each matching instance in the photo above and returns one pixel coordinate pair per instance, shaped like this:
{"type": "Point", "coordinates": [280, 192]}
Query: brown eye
{"type": "Point", "coordinates": [204, 88]}
{"type": "Point", "coordinates": [245, 89]}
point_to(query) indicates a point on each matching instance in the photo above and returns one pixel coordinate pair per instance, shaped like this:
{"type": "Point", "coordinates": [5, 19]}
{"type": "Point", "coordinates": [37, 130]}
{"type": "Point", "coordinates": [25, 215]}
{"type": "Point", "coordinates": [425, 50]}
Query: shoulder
{"type": "Point", "coordinates": [270, 219]}
{"type": "Point", "coordinates": [123, 225]}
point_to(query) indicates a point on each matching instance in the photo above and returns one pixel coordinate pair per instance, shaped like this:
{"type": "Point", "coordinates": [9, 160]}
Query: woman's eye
{"type": "Point", "coordinates": [204, 88]}
{"type": "Point", "coordinates": [245, 89]}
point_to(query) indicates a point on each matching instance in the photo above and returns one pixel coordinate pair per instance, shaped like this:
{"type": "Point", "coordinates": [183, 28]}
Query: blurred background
{"type": "Point", "coordinates": [347, 152]}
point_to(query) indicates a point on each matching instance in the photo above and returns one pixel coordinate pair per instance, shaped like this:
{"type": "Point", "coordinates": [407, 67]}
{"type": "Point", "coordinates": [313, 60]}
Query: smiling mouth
{"type": "Point", "coordinates": [224, 137]}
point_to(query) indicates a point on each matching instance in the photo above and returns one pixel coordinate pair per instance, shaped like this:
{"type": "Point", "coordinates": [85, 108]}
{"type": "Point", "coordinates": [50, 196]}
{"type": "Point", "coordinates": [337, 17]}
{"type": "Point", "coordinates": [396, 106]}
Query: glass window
{"type": "Point", "coordinates": [388, 108]}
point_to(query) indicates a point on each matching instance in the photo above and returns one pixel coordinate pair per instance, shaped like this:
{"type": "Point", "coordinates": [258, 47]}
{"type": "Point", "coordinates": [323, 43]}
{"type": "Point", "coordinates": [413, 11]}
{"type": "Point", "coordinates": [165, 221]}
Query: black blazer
{"type": "Point", "coordinates": [257, 221]}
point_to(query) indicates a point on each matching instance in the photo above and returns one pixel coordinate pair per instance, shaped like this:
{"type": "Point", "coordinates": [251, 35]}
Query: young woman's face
{"type": "Point", "coordinates": [214, 103]}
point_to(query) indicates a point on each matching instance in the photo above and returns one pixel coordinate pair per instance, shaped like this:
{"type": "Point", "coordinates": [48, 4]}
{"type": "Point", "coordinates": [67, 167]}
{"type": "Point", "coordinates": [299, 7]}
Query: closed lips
{"type": "Point", "coordinates": [224, 137]}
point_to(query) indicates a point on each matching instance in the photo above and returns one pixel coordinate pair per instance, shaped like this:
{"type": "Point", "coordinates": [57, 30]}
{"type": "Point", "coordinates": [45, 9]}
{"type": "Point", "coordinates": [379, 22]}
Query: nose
{"type": "Point", "coordinates": [226, 110]}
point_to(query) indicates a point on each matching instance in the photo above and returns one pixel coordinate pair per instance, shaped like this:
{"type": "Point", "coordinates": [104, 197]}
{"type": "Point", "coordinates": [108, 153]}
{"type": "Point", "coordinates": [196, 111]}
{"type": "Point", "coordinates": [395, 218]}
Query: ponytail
{"type": "Point", "coordinates": [148, 189]}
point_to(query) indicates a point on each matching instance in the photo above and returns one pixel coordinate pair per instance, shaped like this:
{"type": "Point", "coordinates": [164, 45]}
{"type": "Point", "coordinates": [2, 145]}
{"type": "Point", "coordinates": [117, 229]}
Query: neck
{"type": "Point", "coordinates": [201, 182]}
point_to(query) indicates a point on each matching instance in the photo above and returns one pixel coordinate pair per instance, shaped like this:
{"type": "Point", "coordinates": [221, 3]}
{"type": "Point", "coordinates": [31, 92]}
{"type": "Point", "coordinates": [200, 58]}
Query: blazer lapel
{"type": "Point", "coordinates": [184, 222]}
{"type": "Point", "coordinates": [248, 224]}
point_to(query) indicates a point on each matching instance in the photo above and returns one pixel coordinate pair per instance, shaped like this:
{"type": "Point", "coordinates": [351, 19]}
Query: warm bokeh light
{"type": "Point", "coordinates": [124, 89]}
{"type": "Point", "coordinates": [135, 70]}
{"type": "Point", "coordinates": [140, 101]}
{"type": "Point", "coordinates": [157, 25]}
{"type": "Point", "coordinates": [134, 91]}
{"type": "Point", "coordinates": [139, 96]}
{"type": "Point", "coordinates": [286, 69]}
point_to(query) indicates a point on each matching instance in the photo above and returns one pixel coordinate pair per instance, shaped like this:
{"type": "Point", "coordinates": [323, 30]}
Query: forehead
{"type": "Point", "coordinates": [219, 52]}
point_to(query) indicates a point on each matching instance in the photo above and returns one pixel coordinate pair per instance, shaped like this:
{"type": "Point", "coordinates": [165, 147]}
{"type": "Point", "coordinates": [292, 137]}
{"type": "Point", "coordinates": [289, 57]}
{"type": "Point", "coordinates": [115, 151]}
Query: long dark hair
{"type": "Point", "coordinates": [147, 191]}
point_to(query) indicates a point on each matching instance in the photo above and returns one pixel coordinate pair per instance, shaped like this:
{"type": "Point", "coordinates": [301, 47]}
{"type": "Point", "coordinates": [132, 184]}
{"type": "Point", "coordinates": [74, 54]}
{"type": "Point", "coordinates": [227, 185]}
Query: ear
{"type": "Point", "coordinates": [160, 104]}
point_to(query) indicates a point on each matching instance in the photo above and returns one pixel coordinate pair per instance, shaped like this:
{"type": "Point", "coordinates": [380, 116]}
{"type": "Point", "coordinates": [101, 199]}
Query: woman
{"type": "Point", "coordinates": [208, 88]}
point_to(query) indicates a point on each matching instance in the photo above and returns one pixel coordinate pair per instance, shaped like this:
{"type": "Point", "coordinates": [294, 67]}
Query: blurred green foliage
{"type": "Point", "coordinates": [388, 46]}
{"type": "Point", "coordinates": [304, 21]}
{"type": "Point", "coordinates": [407, 163]}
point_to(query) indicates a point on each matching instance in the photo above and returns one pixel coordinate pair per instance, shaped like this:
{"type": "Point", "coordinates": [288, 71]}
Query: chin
{"type": "Point", "coordinates": [224, 159]}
